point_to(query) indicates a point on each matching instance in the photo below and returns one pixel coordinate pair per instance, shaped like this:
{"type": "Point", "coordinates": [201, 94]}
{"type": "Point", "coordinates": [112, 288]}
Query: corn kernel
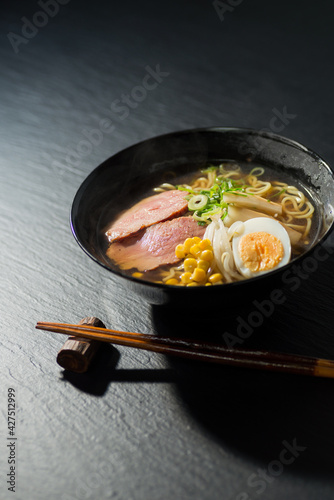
{"type": "Point", "coordinates": [215, 278]}
{"type": "Point", "coordinates": [137, 275]}
{"type": "Point", "coordinates": [207, 255]}
{"type": "Point", "coordinates": [193, 283]}
{"type": "Point", "coordinates": [172, 281]}
{"type": "Point", "coordinates": [198, 275]}
{"type": "Point", "coordinates": [196, 240]}
{"type": "Point", "coordinates": [189, 264]}
{"type": "Point", "coordinates": [186, 277]}
{"type": "Point", "coordinates": [187, 244]}
{"type": "Point", "coordinates": [179, 252]}
{"type": "Point", "coordinates": [205, 244]}
{"type": "Point", "coordinates": [195, 250]}
{"type": "Point", "coordinates": [208, 284]}
{"type": "Point", "coordinates": [203, 264]}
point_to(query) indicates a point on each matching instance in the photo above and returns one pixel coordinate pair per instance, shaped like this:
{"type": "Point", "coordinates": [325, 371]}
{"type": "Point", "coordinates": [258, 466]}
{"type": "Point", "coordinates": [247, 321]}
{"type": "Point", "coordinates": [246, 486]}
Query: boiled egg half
{"type": "Point", "coordinates": [259, 245]}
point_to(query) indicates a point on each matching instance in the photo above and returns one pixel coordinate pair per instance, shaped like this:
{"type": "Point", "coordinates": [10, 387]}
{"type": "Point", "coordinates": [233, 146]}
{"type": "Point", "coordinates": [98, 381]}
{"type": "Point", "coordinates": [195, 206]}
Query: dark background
{"type": "Point", "coordinates": [139, 425]}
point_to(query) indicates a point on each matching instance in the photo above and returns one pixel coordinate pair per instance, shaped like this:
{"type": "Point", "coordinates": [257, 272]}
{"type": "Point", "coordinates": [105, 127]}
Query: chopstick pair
{"type": "Point", "coordinates": [199, 350]}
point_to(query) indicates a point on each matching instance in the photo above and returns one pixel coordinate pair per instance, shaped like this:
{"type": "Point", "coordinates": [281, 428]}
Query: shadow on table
{"type": "Point", "coordinates": [103, 371]}
{"type": "Point", "coordinates": [257, 413]}
{"type": "Point", "coordinates": [281, 421]}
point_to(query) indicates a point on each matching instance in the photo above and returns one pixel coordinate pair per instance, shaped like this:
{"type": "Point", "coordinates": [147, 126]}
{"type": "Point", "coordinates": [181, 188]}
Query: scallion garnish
{"type": "Point", "coordinates": [209, 202]}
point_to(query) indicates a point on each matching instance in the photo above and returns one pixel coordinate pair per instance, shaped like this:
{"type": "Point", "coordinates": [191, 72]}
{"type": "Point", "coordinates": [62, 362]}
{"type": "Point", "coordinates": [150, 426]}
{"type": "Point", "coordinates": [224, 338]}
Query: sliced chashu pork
{"type": "Point", "coordinates": [155, 246]}
{"type": "Point", "coordinates": [156, 208]}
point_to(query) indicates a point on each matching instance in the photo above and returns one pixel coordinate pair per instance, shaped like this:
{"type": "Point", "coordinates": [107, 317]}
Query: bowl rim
{"type": "Point", "coordinates": [262, 133]}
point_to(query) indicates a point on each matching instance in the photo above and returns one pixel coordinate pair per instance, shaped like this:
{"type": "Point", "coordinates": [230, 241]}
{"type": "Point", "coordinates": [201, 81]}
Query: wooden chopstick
{"type": "Point", "coordinates": [200, 350]}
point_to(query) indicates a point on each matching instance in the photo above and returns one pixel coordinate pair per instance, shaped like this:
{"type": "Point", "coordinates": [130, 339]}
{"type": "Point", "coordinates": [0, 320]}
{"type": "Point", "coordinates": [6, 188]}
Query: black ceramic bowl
{"type": "Point", "coordinates": [125, 177]}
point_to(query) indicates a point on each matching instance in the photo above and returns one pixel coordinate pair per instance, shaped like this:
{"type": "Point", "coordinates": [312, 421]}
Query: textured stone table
{"type": "Point", "coordinates": [79, 82]}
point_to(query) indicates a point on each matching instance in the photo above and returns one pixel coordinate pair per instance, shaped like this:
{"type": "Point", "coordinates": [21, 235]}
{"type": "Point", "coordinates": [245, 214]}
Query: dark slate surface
{"type": "Point", "coordinates": [142, 426]}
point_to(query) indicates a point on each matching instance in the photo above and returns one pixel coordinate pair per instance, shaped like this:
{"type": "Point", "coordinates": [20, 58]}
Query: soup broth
{"type": "Point", "coordinates": [222, 202]}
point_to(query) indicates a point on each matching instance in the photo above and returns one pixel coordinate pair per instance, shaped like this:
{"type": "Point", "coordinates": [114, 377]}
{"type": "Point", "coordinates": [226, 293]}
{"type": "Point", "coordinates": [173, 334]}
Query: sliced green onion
{"type": "Point", "coordinates": [214, 211]}
{"type": "Point", "coordinates": [208, 169]}
{"type": "Point", "coordinates": [276, 194]}
{"type": "Point", "coordinates": [224, 214]}
{"type": "Point", "coordinates": [188, 189]}
{"type": "Point", "coordinates": [204, 216]}
{"type": "Point", "coordinates": [198, 202]}
{"type": "Point", "coordinates": [197, 217]}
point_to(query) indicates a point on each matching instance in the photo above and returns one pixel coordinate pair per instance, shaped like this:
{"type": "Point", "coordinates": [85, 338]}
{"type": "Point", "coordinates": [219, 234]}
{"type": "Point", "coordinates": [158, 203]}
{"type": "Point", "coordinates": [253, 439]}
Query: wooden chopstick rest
{"type": "Point", "coordinates": [77, 353]}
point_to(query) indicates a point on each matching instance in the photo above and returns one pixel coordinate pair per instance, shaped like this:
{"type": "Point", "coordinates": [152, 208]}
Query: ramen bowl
{"type": "Point", "coordinates": [130, 174]}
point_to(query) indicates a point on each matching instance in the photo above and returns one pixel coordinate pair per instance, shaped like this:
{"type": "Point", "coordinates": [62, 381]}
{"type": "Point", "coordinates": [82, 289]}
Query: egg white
{"type": "Point", "coordinates": [258, 224]}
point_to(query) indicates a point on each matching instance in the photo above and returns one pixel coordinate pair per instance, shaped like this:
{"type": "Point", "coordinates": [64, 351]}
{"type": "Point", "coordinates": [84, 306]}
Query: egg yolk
{"type": "Point", "coordinates": [260, 251]}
